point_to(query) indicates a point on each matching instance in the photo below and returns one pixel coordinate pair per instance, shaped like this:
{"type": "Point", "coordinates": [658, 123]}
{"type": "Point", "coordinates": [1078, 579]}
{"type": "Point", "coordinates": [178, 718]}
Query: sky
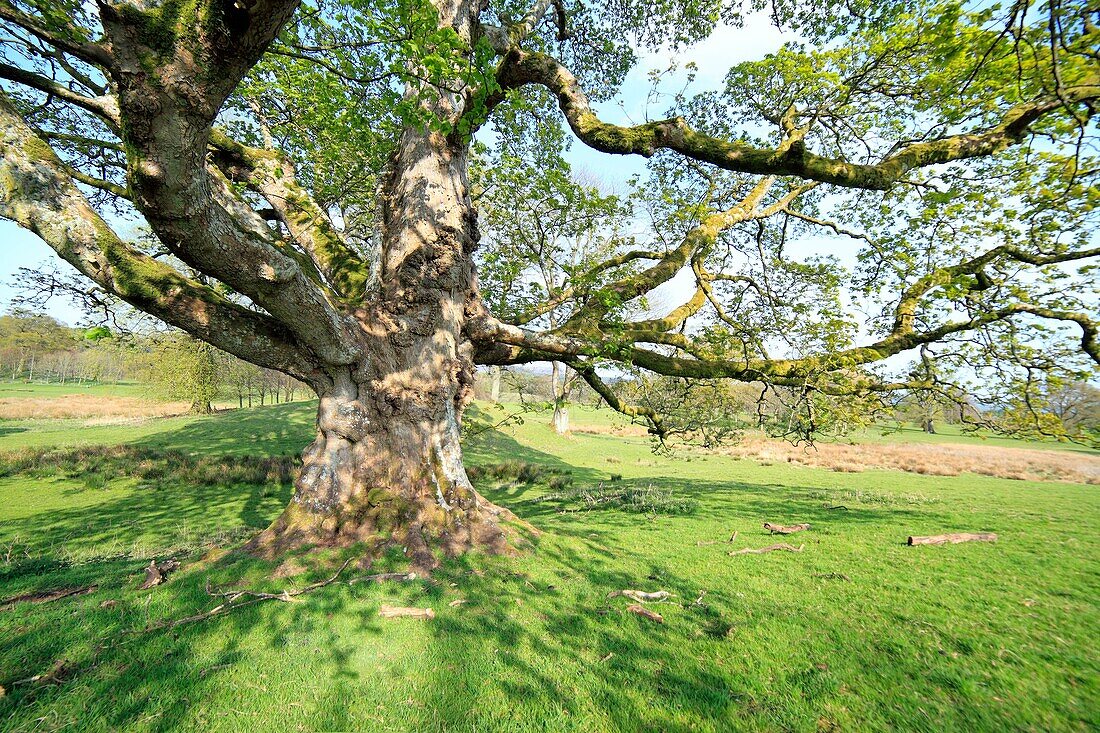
{"type": "Point", "coordinates": [713, 56]}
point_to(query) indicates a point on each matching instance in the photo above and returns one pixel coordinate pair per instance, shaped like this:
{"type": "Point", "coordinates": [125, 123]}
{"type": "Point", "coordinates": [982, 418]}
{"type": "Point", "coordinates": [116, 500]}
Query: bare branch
{"type": "Point", "coordinates": [103, 107]}
{"type": "Point", "coordinates": [71, 40]}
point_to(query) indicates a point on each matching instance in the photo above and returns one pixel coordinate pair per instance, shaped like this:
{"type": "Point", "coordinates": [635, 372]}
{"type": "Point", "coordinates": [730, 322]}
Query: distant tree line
{"type": "Point", "coordinates": [37, 348]}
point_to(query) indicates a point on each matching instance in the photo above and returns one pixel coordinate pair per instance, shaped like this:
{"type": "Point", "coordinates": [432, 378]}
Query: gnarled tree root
{"type": "Point", "coordinates": [420, 529]}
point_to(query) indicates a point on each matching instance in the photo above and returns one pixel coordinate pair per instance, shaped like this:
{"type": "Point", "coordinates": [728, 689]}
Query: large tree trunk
{"type": "Point", "coordinates": [386, 467]}
{"type": "Point", "coordinates": [384, 473]}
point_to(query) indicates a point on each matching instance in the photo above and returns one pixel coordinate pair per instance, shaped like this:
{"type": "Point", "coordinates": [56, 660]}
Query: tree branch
{"type": "Point", "coordinates": [103, 107]}
{"type": "Point", "coordinates": [71, 41]}
{"type": "Point", "coordinates": [526, 67]}
{"type": "Point", "coordinates": [272, 174]}
{"type": "Point", "coordinates": [44, 200]}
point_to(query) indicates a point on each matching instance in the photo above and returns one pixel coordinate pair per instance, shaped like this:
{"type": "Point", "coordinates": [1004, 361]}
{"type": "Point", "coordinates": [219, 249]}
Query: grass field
{"type": "Point", "coordinates": [856, 632]}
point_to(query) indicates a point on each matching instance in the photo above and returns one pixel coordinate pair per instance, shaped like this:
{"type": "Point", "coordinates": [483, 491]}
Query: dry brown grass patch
{"type": "Point", "coordinates": [619, 431]}
{"type": "Point", "coordinates": [79, 406]}
{"type": "Point", "coordinates": [1025, 464]}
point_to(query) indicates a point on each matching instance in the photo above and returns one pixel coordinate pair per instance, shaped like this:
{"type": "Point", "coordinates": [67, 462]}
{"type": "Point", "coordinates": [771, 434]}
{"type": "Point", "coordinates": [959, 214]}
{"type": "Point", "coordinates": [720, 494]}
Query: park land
{"type": "Point", "coordinates": [857, 631]}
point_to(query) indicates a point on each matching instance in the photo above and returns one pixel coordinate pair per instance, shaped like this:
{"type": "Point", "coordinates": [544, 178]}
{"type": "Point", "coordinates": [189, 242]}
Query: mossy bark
{"type": "Point", "coordinates": [378, 478]}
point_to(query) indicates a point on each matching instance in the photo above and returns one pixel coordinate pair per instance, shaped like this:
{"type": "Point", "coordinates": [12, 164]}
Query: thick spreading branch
{"type": "Point", "coordinates": [522, 67]}
{"type": "Point", "coordinates": [166, 122]}
{"type": "Point", "coordinates": [39, 195]}
{"type": "Point", "coordinates": [271, 174]}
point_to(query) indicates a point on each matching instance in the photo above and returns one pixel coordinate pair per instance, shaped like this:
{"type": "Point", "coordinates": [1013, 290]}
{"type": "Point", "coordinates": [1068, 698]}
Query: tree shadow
{"type": "Point", "coordinates": [537, 643]}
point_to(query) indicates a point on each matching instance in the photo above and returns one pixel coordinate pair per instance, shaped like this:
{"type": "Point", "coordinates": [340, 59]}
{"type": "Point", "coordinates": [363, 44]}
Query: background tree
{"type": "Point", "coordinates": [309, 166]}
{"type": "Point", "coordinates": [542, 228]}
{"type": "Point", "coordinates": [182, 368]}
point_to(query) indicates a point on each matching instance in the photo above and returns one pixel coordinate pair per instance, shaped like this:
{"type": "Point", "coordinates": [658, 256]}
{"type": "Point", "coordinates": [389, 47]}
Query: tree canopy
{"type": "Point", "coordinates": [303, 171]}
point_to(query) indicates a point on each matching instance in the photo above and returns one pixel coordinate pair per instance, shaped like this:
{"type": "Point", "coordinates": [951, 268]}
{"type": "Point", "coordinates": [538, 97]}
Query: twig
{"type": "Point", "coordinates": [45, 596]}
{"type": "Point", "coordinates": [705, 543]}
{"type": "Point", "coordinates": [641, 596]}
{"type": "Point", "coordinates": [645, 613]}
{"type": "Point", "coordinates": [378, 578]}
{"type": "Point", "coordinates": [769, 548]}
{"type": "Point", "coordinates": [232, 598]}
{"type": "Point", "coordinates": [832, 576]}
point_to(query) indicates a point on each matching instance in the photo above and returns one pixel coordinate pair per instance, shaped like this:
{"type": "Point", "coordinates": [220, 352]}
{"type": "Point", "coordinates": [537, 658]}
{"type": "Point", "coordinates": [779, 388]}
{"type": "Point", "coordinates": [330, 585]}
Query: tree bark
{"type": "Point", "coordinates": [386, 466]}
{"type": "Point", "coordinates": [201, 407]}
{"type": "Point", "coordinates": [383, 473]}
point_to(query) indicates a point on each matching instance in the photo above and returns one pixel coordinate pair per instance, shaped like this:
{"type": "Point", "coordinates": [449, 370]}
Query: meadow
{"type": "Point", "coordinates": [856, 632]}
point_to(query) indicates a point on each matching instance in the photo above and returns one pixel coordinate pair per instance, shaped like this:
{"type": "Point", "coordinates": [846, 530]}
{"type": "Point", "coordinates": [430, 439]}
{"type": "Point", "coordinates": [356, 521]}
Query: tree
{"type": "Point", "coordinates": [541, 229]}
{"type": "Point", "coordinates": [310, 168]}
{"type": "Point", "coordinates": [183, 368]}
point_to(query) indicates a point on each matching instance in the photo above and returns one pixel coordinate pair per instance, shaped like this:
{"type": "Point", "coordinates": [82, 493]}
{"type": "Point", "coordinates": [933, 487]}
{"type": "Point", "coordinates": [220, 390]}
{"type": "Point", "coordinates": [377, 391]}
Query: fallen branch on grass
{"type": "Point", "coordinates": [645, 613]}
{"type": "Point", "coordinates": [780, 529]}
{"type": "Point", "coordinates": [45, 596]}
{"type": "Point", "coordinates": [641, 596]}
{"type": "Point", "coordinates": [832, 576]}
{"type": "Point", "coordinates": [941, 539]}
{"type": "Point", "coordinates": [403, 612]}
{"type": "Point", "coordinates": [233, 600]}
{"type": "Point", "coordinates": [56, 675]}
{"type": "Point", "coordinates": [769, 548]}
{"type": "Point", "coordinates": [156, 574]}
{"type": "Point", "coordinates": [380, 577]}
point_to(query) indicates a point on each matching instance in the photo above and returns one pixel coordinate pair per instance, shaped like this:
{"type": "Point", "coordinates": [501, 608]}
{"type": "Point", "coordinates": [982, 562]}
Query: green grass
{"type": "Point", "coordinates": [19, 389]}
{"type": "Point", "coordinates": [857, 632]}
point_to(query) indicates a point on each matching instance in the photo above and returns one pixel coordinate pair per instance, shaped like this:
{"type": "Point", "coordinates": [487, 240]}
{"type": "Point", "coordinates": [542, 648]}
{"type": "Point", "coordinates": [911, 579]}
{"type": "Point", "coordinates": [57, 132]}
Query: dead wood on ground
{"type": "Point", "coordinates": [942, 539]}
{"type": "Point", "coordinates": [45, 596]}
{"type": "Point", "coordinates": [641, 596]}
{"type": "Point", "coordinates": [780, 529]}
{"type": "Point", "coordinates": [769, 548]}
{"type": "Point", "coordinates": [381, 577]}
{"type": "Point", "coordinates": [156, 573]}
{"type": "Point", "coordinates": [405, 612]}
{"type": "Point", "coordinates": [645, 613]}
{"type": "Point", "coordinates": [232, 600]}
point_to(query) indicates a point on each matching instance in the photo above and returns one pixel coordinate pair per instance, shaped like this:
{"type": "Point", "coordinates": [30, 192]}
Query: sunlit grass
{"type": "Point", "coordinates": [857, 632]}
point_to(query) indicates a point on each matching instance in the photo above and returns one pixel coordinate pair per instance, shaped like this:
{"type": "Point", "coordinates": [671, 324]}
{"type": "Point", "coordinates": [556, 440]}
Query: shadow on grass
{"type": "Point", "coordinates": [530, 625]}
